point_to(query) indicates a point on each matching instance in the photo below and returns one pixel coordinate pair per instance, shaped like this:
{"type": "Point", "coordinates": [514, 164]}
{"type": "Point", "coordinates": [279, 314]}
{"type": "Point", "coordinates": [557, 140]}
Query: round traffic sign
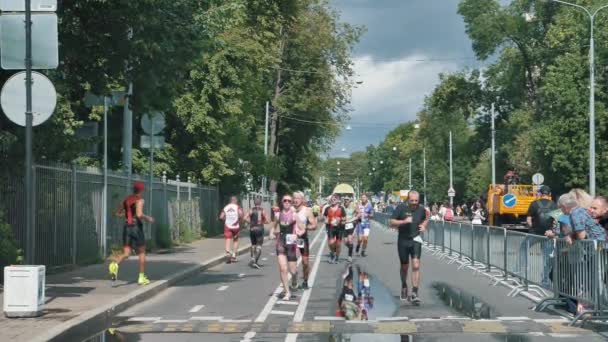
{"type": "Point", "coordinates": [509, 200]}
{"type": "Point", "coordinates": [538, 179]}
{"type": "Point", "coordinates": [44, 98]}
{"type": "Point", "coordinates": [153, 123]}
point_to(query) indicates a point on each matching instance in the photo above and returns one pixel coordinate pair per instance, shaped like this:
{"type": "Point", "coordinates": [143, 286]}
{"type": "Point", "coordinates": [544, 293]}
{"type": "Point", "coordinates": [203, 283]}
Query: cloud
{"type": "Point", "coordinates": [392, 93]}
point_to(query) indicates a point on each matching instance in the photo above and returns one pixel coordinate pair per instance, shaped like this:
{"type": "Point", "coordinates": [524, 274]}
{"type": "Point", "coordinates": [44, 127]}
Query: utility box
{"type": "Point", "coordinates": [24, 291]}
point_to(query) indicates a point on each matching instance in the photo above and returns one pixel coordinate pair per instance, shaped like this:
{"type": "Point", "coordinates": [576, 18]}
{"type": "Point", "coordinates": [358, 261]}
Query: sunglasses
{"type": "Point", "coordinates": [286, 201]}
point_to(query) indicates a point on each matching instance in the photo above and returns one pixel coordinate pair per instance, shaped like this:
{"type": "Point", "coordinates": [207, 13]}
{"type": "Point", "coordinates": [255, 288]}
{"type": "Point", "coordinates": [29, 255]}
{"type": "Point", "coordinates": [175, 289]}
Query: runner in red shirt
{"type": "Point", "coordinates": [335, 217]}
{"type": "Point", "coordinates": [232, 215]}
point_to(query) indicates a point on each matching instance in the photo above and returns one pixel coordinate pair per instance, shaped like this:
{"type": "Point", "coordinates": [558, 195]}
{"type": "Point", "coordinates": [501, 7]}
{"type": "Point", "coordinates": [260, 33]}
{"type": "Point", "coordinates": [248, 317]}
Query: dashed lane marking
{"type": "Point", "coordinates": [196, 308]}
{"type": "Point", "coordinates": [285, 302]}
{"type": "Point", "coordinates": [390, 319]}
{"type": "Point", "coordinates": [206, 318]}
{"type": "Point", "coordinates": [329, 318]}
{"type": "Point", "coordinates": [171, 321]}
{"type": "Point", "coordinates": [241, 275]}
{"type": "Point", "coordinates": [144, 319]}
{"type": "Point", "coordinates": [520, 318]}
{"type": "Point", "coordinates": [235, 321]}
{"type": "Point", "coordinates": [222, 288]}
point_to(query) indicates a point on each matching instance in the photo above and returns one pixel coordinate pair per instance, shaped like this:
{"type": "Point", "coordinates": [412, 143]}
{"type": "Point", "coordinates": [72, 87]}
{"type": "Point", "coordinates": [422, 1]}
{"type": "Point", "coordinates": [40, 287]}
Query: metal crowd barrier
{"type": "Point", "coordinates": [550, 269]}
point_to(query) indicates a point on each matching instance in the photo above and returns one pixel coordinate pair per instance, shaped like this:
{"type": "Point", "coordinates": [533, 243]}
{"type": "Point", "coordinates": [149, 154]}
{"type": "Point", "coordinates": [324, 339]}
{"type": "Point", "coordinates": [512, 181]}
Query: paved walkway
{"type": "Point", "coordinates": [72, 295]}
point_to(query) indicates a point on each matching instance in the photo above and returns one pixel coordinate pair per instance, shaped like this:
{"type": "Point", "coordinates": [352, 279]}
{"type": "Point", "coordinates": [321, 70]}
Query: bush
{"type": "Point", "coordinates": [9, 252]}
{"type": "Point", "coordinates": [163, 236]}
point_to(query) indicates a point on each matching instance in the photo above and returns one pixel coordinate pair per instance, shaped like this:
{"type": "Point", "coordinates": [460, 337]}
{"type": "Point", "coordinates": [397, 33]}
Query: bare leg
{"type": "Point", "coordinates": [126, 251]}
{"type": "Point", "coordinates": [305, 267]}
{"type": "Point", "coordinates": [284, 272]}
{"type": "Point", "coordinates": [415, 273]}
{"type": "Point", "coordinates": [235, 241]}
{"type": "Point", "coordinates": [227, 244]}
{"type": "Point", "coordinates": [142, 259]}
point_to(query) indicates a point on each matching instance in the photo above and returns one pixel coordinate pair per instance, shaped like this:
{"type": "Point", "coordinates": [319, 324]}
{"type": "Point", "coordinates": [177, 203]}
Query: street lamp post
{"type": "Point", "coordinates": [592, 16]}
{"type": "Point", "coordinates": [424, 174]}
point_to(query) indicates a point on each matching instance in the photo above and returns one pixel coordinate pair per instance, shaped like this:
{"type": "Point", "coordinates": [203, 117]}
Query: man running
{"type": "Point", "coordinates": [410, 220]}
{"type": "Point", "coordinates": [352, 216]}
{"type": "Point", "coordinates": [306, 221]}
{"type": "Point", "coordinates": [133, 232]}
{"type": "Point", "coordinates": [335, 217]}
{"type": "Point", "coordinates": [287, 244]}
{"type": "Point", "coordinates": [366, 212]}
{"type": "Point", "coordinates": [232, 215]}
{"type": "Point", "coordinates": [257, 218]}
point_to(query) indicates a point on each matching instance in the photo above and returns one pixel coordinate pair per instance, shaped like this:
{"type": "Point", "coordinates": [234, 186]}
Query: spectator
{"type": "Point", "coordinates": [478, 214]}
{"type": "Point", "coordinates": [583, 199]}
{"type": "Point", "coordinates": [599, 212]}
{"type": "Point", "coordinates": [459, 211]}
{"type": "Point", "coordinates": [539, 220]}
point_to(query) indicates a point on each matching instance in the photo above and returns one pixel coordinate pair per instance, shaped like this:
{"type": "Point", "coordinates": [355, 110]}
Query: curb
{"type": "Point", "coordinates": [78, 328]}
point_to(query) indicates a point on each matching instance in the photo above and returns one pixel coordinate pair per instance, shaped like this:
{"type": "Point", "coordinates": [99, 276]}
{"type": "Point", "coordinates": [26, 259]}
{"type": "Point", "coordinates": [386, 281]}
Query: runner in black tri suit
{"type": "Point", "coordinates": [133, 232]}
{"type": "Point", "coordinates": [256, 217]}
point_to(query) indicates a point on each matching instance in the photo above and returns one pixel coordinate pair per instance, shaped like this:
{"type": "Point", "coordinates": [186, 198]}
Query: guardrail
{"type": "Point", "coordinates": [554, 271]}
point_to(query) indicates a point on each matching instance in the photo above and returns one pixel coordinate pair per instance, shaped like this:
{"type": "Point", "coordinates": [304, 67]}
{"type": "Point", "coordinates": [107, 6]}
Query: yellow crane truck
{"type": "Point", "coordinates": [507, 206]}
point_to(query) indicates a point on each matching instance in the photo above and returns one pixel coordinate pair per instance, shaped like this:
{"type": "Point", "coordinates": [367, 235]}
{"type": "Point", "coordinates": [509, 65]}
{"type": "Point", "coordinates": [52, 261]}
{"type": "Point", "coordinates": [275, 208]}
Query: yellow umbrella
{"type": "Point", "coordinates": [344, 189]}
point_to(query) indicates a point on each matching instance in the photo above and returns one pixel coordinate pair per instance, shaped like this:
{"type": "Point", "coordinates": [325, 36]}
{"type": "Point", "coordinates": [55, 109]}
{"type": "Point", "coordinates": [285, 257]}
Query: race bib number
{"type": "Point", "coordinates": [301, 243]}
{"type": "Point", "coordinates": [366, 282]}
{"type": "Point", "coordinates": [349, 226]}
{"type": "Point", "coordinates": [349, 297]}
{"type": "Point", "coordinates": [290, 239]}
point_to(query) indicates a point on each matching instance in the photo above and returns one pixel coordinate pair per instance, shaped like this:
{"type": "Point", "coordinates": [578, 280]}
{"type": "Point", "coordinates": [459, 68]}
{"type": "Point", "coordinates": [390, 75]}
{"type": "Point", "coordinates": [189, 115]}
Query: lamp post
{"type": "Point", "coordinates": [592, 16]}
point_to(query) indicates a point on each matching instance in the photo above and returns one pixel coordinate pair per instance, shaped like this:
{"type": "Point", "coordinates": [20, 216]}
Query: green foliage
{"type": "Point", "coordinates": [163, 236]}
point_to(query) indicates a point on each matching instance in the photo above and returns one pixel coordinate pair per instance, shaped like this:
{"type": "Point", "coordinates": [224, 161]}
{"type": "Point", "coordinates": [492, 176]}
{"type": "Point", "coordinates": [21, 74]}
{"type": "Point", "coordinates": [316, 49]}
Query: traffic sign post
{"type": "Point", "coordinates": [152, 123]}
{"type": "Point", "coordinates": [451, 192]}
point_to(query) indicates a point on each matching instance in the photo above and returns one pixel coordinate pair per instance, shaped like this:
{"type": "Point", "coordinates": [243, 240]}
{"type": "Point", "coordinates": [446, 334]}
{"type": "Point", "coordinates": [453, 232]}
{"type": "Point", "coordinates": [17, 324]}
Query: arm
{"type": "Point", "coordinates": [247, 217]}
{"type": "Point", "coordinates": [222, 215]}
{"type": "Point", "coordinates": [119, 212]}
{"type": "Point", "coordinates": [139, 212]}
{"type": "Point", "coordinates": [312, 221]}
{"type": "Point", "coordinates": [240, 214]}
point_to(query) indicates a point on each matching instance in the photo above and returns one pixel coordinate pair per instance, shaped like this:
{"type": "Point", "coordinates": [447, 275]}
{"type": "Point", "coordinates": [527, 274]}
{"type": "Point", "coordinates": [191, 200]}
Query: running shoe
{"type": "Point", "coordinates": [304, 285]}
{"type": "Point", "coordinates": [363, 254]}
{"type": "Point", "coordinates": [287, 296]}
{"type": "Point", "coordinates": [414, 298]}
{"type": "Point", "coordinates": [403, 295]}
{"type": "Point", "coordinates": [255, 265]}
{"type": "Point", "coordinates": [143, 280]}
{"type": "Point", "coordinates": [350, 259]}
{"type": "Point", "coordinates": [113, 270]}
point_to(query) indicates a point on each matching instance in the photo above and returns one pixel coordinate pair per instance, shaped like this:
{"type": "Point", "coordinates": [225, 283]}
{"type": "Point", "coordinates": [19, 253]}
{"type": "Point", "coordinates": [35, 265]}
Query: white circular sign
{"type": "Point", "coordinates": [44, 98]}
{"type": "Point", "coordinates": [538, 179]}
{"type": "Point", "coordinates": [153, 123]}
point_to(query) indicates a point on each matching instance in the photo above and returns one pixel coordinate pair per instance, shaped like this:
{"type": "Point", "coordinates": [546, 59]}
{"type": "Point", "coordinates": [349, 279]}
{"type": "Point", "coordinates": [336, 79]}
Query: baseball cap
{"type": "Point", "coordinates": [138, 186]}
{"type": "Point", "coordinates": [545, 190]}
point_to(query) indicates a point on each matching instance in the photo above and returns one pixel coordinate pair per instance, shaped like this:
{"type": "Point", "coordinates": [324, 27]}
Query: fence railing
{"type": "Point", "coordinates": [552, 269]}
{"type": "Point", "coordinates": [68, 211]}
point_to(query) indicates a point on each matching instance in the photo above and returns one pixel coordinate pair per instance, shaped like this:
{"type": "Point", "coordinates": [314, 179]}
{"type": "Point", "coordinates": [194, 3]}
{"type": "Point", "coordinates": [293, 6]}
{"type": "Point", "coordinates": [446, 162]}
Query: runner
{"type": "Point", "coordinates": [410, 220]}
{"type": "Point", "coordinates": [366, 212]}
{"type": "Point", "coordinates": [232, 215]}
{"type": "Point", "coordinates": [257, 218]}
{"type": "Point", "coordinates": [287, 244]}
{"type": "Point", "coordinates": [306, 221]}
{"type": "Point", "coordinates": [335, 216]}
{"type": "Point", "coordinates": [352, 216]}
{"type": "Point", "coordinates": [133, 232]}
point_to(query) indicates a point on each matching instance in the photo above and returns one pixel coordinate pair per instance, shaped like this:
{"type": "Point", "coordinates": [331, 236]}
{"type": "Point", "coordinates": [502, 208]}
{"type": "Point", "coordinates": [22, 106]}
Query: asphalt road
{"type": "Point", "coordinates": [233, 302]}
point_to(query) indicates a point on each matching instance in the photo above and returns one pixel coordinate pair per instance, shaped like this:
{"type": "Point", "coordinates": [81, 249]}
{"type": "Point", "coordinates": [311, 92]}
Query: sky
{"type": "Point", "coordinates": [408, 43]}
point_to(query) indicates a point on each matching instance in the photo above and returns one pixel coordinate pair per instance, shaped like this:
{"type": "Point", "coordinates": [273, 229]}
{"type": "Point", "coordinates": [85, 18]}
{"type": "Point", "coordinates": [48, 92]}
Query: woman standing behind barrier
{"type": "Point", "coordinates": [478, 214]}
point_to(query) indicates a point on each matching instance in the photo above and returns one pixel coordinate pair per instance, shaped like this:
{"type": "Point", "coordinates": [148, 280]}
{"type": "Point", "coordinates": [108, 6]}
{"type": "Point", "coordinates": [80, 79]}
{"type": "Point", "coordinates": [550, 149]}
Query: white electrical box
{"type": "Point", "coordinates": [24, 290]}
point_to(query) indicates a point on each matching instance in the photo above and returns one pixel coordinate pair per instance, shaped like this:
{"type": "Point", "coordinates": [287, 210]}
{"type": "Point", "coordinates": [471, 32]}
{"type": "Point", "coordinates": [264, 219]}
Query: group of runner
{"type": "Point", "coordinates": [290, 223]}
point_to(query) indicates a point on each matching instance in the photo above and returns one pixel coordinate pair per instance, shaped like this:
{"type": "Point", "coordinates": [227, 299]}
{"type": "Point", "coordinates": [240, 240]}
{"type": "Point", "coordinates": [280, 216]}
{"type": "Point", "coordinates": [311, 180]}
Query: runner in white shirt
{"type": "Point", "coordinates": [232, 215]}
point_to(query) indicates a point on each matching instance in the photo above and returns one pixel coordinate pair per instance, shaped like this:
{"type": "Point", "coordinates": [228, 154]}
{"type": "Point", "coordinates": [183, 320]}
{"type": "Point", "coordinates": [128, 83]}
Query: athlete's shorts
{"type": "Point", "coordinates": [304, 246]}
{"type": "Point", "coordinates": [133, 236]}
{"type": "Point", "coordinates": [256, 234]}
{"type": "Point", "coordinates": [348, 232]}
{"type": "Point", "coordinates": [407, 249]}
{"type": "Point", "coordinates": [290, 251]}
{"type": "Point", "coordinates": [335, 233]}
{"type": "Point", "coordinates": [231, 233]}
{"type": "Point", "coordinates": [363, 230]}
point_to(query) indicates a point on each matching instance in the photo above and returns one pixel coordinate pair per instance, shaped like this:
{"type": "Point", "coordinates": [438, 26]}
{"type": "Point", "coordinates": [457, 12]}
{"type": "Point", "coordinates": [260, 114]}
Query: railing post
{"type": "Point", "coordinates": [506, 252]}
{"type": "Point", "coordinates": [164, 203]}
{"type": "Point", "coordinates": [526, 264]}
{"type": "Point", "coordinates": [472, 245]}
{"type": "Point", "coordinates": [451, 231]}
{"type": "Point", "coordinates": [443, 237]}
{"type": "Point", "coordinates": [556, 272]}
{"type": "Point", "coordinates": [488, 248]}
{"type": "Point", "coordinates": [74, 209]}
{"type": "Point", "coordinates": [189, 189]}
{"type": "Point", "coordinates": [460, 242]}
{"type": "Point", "coordinates": [34, 192]}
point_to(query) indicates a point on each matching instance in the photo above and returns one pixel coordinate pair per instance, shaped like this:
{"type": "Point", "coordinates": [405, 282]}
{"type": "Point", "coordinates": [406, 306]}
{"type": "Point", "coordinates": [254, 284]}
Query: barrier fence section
{"type": "Point", "coordinates": [557, 272]}
{"type": "Point", "coordinates": [68, 211]}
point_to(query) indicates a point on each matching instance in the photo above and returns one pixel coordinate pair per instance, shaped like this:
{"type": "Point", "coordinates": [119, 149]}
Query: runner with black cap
{"type": "Point", "coordinates": [133, 232]}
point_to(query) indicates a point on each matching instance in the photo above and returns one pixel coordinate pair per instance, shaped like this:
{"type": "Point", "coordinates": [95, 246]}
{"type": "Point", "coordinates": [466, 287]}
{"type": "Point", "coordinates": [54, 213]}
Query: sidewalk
{"type": "Point", "coordinates": [82, 298]}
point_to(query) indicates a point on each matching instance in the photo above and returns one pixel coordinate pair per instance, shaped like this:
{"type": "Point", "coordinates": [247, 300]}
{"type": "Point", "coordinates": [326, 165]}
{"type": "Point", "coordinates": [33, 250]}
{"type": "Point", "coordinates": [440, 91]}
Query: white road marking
{"type": "Point", "coordinates": [206, 318]}
{"type": "Point", "coordinates": [284, 313]}
{"type": "Point", "coordinates": [197, 308]}
{"type": "Point", "coordinates": [284, 302]}
{"type": "Point", "coordinates": [299, 316]}
{"type": "Point", "coordinates": [562, 335]}
{"type": "Point", "coordinates": [457, 318]}
{"type": "Point", "coordinates": [144, 319]}
{"type": "Point", "coordinates": [329, 318]}
{"type": "Point", "coordinates": [389, 319]}
{"type": "Point", "coordinates": [425, 319]}
{"type": "Point", "coordinates": [273, 298]}
{"type": "Point", "coordinates": [291, 337]}
{"type": "Point", "coordinates": [222, 288]}
{"type": "Point", "coordinates": [248, 336]}
{"type": "Point", "coordinates": [264, 259]}
{"type": "Point", "coordinates": [516, 318]}
{"type": "Point", "coordinates": [235, 321]}
{"type": "Point", "coordinates": [550, 320]}
{"type": "Point", "coordinates": [171, 321]}
{"type": "Point", "coordinates": [241, 275]}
